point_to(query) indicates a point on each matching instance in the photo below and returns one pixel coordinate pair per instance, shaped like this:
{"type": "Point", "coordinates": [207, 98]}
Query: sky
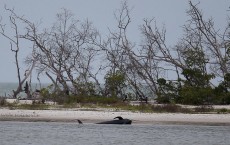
{"type": "Point", "coordinates": [170, 13]}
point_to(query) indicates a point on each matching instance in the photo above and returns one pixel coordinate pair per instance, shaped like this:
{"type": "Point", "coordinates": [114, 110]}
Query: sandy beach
{"type": "Point", "coordinates": [70, 115]}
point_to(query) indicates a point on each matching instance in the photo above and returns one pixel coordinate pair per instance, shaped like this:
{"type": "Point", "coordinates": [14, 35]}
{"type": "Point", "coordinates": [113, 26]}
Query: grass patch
{"type": "Point", "coordinates": [222, 111]}
{"type": "Point", "coordinates": [33, 106]}
{"type": "Point", "coordinates": [13, 106]}
{"type": "Point", "coordinates": [112, 104]}
{"type": "Point", "coordinates": [145, 108]}
{"type": "Point", "coordinates": [204, 109]}
{"type": "Point", "coordinates": [92, 100]}
{"type": "Point", "coordinates": [170, 108]}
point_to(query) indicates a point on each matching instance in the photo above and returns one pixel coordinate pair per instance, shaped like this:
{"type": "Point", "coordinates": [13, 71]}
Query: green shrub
{"type": "Point", "coordinates": [196, 96]}
{"type": "Point", "coordinates": [2, 101]}
{"type": "Point", "coordinates": [115, 83]}
{"type": "Point", "coordinates": [222, 111]}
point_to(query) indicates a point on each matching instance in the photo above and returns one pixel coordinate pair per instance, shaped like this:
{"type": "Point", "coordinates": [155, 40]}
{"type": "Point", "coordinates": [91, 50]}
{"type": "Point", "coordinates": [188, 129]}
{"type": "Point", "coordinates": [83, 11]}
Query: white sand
{"type": "Point", "coordinates": [97, 116]}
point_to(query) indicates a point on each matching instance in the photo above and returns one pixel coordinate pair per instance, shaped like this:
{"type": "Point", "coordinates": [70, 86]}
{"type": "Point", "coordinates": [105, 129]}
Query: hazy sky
{"type": "Point", "coordinates": [171, 13]}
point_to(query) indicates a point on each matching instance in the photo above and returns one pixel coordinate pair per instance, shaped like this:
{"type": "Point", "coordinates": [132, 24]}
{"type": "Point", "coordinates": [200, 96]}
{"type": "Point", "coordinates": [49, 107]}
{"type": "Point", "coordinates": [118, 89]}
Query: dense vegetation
{"type": "Point", "coordinates": [74, 55]}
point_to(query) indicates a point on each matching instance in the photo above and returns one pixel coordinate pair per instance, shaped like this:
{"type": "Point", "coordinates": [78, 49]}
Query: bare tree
{"type": "Point", "coordinates": [65, 51]}
{"type": "Point", "coordinates": [215, 44]}
{"type": "Point", "coordinates": [15, 48]}
{"type": "Point", "coordinates": [136, 63]}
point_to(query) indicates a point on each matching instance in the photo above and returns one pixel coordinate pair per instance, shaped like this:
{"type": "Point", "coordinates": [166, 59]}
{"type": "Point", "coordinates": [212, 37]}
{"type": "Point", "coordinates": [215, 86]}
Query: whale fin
{"type": "Point", "coordinates": [119, 117]}
{"type": "Point", "coordinates": [79, 121]}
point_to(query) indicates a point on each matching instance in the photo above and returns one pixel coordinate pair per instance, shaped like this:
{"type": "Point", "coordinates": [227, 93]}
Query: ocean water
{"type": "Point", "coordinates": [6, 89]}
{"type": "Point", "coordinates": [56, 133]}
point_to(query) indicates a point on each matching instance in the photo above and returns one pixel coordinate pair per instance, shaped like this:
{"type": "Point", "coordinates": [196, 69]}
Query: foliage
{"type": "Point", "coordinates": [2, 101]}
{"type": "Point", "coordinates": [115, 83]}
{"type": "Point", "coordinates": [195, 95]}
{"type": "Point", "coordinates": [196, 78]}
{"type": "Point", "coordinates": [222, 91]}
{"type": "Point", "coordinates": [46, 93]}
{"type": "Point", "coordinates": [167, 91]}
{"type": "Point", "coordinates": [52, 94]}
{"type": "Point", "coordinates": [85, 88]}
{"type": "Point", "coordinates": [194, 90]}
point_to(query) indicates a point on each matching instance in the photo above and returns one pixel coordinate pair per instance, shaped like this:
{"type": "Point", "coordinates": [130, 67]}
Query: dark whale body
{"type": "Point", "coordinates": [119, 121]}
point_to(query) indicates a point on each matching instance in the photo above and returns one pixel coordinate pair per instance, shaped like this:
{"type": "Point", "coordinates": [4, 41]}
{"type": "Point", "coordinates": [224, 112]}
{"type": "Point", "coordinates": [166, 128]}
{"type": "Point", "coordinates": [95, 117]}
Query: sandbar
{"type": "Point", "coordinates": [89, 116]}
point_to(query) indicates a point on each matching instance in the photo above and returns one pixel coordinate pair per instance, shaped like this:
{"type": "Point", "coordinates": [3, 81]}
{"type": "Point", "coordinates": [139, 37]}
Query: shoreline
{"type": "Point", "coordinates": [69, 115]}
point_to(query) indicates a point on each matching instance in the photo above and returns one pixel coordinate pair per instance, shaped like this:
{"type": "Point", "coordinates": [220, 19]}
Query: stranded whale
{"type": "Point", "coordinates": [117, 120]}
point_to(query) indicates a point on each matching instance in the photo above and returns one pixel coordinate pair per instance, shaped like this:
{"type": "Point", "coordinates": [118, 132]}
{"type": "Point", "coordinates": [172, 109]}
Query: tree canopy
{"type": "Point", "coordinates": [73, 54]}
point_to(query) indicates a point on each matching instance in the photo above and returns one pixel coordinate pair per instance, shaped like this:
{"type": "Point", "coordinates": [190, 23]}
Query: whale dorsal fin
{"type": "Point", "coordinates": [79, 121]}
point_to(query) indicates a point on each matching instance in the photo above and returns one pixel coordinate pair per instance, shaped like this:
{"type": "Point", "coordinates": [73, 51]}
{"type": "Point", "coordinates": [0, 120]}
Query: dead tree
{"type": "Point", "coordinates": [216, 45]}
{"type": "Point", "coordinates": [65, 51]}
{"type": "Point", "coordinates": [15, 48]}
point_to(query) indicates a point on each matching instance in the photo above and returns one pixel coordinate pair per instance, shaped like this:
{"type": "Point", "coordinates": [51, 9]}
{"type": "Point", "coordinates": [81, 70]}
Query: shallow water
{"type": "Point", "coordinates": [56, 133]}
